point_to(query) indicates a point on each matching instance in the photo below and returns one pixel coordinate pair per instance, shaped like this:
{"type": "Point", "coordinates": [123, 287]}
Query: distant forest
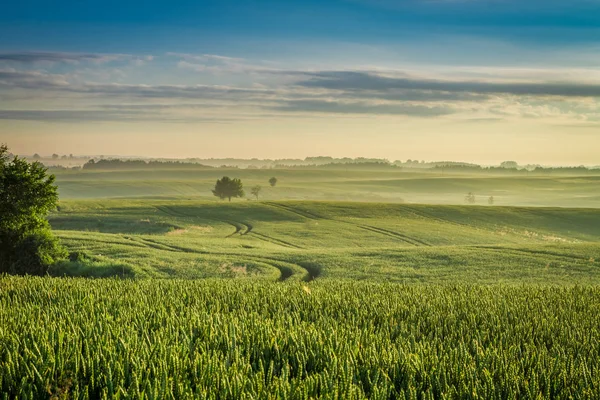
{"type": "Point", "coordinates": [321, 162]}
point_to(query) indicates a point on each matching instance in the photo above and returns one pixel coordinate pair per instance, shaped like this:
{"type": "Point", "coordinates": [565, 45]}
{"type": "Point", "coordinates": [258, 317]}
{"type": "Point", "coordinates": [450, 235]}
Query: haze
{"type": "Point", "coordinates": [477, 81]}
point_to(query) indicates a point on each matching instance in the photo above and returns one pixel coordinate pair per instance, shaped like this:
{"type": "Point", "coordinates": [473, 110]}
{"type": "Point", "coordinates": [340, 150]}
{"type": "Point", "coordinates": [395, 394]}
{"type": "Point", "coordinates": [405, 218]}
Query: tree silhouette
{"type": "Point", "coordinates": [255, 191]}
{"type": "Point", "coordinates": [226, 188]}
{"type": "Point", "coordinates": [273, 181]}
{"type": "Point", "coordinates": [470, 198]}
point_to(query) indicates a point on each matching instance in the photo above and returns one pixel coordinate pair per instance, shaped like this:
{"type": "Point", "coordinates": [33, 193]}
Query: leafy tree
{"type": "Point", "coordinates": [273, 181]}
{"type": "Point", "coordinates": [470, 198]}
{"type": "Point", "coordinates": [27, 194]}
{"type": "Point", "coordinates": [491, 200]}
{"type": "Point", "coordinates": [36, 156]}
{"type": "Point", "coordinates": [509, 165]}
{"type": "Point", "coordinates": [55, 156]}
{"type": "Point", "coordinates": [226, 188]}
{"type": "Point", "coordinates": [255, 191]}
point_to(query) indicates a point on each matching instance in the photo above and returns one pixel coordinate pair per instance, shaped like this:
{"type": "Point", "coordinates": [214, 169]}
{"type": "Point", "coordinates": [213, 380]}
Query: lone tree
{"type": "Point", "coordinates": [491, 200]}
{"type": "Point", "coordinates": [226, 188]}
{"type": "Point", "coordinates": [255, 191]}
{"type": "Point", "coordinates": [27, 194]}
{"type": "Point", "coordinates": [273, 181]}
{"type": "Point", "coordinates": [470, 198]}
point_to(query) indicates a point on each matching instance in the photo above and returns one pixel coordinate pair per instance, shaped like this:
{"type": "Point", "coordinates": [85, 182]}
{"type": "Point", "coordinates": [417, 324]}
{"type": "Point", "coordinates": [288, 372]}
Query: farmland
{"type": "Point", "coordinates": [404, 292]}
{"type": "Point", "coordinates": [350, 183]}
{"type": "Point", "coordinates": [231, 339]}
{"type": "Point", "coordinates": [303, 240]}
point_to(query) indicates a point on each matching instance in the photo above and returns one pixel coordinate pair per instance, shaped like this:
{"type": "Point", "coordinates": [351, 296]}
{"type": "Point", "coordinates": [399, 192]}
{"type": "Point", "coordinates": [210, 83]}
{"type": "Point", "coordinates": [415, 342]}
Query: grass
{"type": "Point", "coordinates": [352, 184]}
{"type": "Point", "coordinates": [232, 339]}
{"type": "Point", "coordinates": [303, 240]}
{"type": "Point", "coordinates": [307, 296]}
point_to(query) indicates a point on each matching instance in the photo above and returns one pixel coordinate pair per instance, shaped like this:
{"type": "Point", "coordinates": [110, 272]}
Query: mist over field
{"type": "Point", "coordinates": [315, 199]}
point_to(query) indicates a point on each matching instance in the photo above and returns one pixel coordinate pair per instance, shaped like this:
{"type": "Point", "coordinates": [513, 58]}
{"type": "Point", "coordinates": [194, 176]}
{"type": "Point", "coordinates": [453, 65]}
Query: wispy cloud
{"type": "Point", "coordinates": [339, 107]}
{"type": "Point", "coordinates": [32, 80]}
{"type": "Point", "coordinates": [221, 64]}
{"type": "Point", "coordinates": [318, 93]}
{"type": "Point", "coordinates": [357, 81]}
{"type": "Point", "coordinates": [95, 115]}
{"type": "Point", "coordinates": [60, 57]}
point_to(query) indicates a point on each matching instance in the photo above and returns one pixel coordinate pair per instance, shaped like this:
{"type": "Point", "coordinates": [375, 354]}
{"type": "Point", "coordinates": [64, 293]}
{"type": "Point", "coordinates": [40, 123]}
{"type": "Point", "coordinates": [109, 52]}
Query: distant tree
{"type": "Point", "coordinates": [27, 194]}
{"type": "Point", "coordinates": [509, 165]}
{"type": "Point", "coordinates": [273, 181]}
{"type": "Point", "coordinates": [470, 198]}
{"type": "Point", "coordinates": [256, 191]}
{"type": "Point", "coordinates": [64, 157]}
{"type": "Point", "coordinates": [71, 156]}
{"type": "Point", "coordinates": [36, 156]}
{"type": "Point", "coordinates": [55, 156]}
{"type": "Point", "coordinates": [226, 188]}
{"type": "Point", "coordinates": [491, 200]}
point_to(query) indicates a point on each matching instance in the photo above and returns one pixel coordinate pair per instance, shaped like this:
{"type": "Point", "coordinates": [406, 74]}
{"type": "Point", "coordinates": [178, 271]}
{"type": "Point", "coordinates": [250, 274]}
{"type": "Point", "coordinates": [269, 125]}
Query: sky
{"type": "Point", "coordinates": [465, 80]}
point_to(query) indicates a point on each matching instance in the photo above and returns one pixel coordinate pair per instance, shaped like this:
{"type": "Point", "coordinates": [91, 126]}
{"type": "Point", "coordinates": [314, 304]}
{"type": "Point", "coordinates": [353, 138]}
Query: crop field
{"type": "Point", "coordinates": [303, 294]}
{"type": "Point", "coordinates": [304, 240]}
{"type": "Point", "coordinates": [234, 339]}
{"type": "Point", "coordinates": [341, 184]}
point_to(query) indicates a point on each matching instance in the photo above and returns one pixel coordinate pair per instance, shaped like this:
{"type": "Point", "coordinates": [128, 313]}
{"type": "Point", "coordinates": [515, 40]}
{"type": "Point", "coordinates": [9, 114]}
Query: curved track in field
{"type": "Point", "coordinates": [381, 231]}
{"type": "Point", "coordinates": [287, 269]}
{"type": "Point", "coordinates": [533, 253]}
{"type": "Point", "coordinates": [241, 228]}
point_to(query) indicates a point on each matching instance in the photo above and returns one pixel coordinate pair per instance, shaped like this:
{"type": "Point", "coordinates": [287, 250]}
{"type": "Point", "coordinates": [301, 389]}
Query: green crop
{"type": "Point", "coordinates": [244, 338]}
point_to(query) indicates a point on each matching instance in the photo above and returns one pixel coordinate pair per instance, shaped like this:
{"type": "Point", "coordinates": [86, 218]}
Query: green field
{"type": "Point", "coordinates": [335, 284]}
{"type": "Point", "coordinates": [304, 240]}
{"type": "Point", "coordinates": [230, 339]}
{"type": "Point", "coordinates": [342, 184]}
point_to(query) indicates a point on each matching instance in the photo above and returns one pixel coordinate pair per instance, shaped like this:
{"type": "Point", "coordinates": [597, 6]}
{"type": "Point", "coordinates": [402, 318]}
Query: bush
{"type": "Point", "coordinates": [27, 194]}
{"type": "Point", "coordinates": [30, 254]}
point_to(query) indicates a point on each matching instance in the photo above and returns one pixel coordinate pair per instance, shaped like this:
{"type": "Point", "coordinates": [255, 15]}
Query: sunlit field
{"type": "Point", "coordinates": [332, 284]}
{"type": "Point", "coordinates": [351, 183]}
{"type": "Point", "coordinates": [232, 339]}
{"type": "Point", "coordinates": [304, 240]}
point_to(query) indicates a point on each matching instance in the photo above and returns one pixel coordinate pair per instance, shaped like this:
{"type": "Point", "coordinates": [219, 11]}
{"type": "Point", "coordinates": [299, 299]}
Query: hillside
{"type": "Point", "coordinates": [303, 240]}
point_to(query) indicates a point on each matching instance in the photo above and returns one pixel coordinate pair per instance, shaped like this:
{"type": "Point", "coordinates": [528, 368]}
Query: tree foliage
{"type": "Point", "coordinates": [226, 188]}
{"type": "Point", "coordinates": [256, 191]}
{"type": "Point", "coordinates": [470, 198]}
{"type": "Point", "coordinates": [273, 181]}
{"type": "Point", "coordinates": [27, 194]}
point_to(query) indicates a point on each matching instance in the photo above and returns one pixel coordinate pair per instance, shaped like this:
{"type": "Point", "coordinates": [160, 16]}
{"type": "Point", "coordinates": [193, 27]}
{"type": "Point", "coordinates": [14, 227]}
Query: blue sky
{"type": "Point", "coordinates": [485, 80]}
{"type": "Point", "coordinates": [200, 25]}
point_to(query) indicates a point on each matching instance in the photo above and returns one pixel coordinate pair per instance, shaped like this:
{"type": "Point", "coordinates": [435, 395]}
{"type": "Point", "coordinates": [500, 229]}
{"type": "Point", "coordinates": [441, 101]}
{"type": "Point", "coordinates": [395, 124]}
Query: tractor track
{"type": "Point", "coordinates": [241, 228]}
{"type": "Point", "coordinates": [286, 268]}
{"type": "Point", "coordinates": [294, 210]}
{"type": "Point", "coordinates": [374, 229]}
{"type": "Point", "coordinates": [393, 234]}
{"type": "Point", "coordinates": [128, 243]}
{"type": "Point", "coordinates": [533, 253]}
{"type": "Point", "coordinates": [426, 215]}
{"type": "Point", "coordinates": [273, 240]}
{"type": "Point", "coordinates": [178, 214]}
